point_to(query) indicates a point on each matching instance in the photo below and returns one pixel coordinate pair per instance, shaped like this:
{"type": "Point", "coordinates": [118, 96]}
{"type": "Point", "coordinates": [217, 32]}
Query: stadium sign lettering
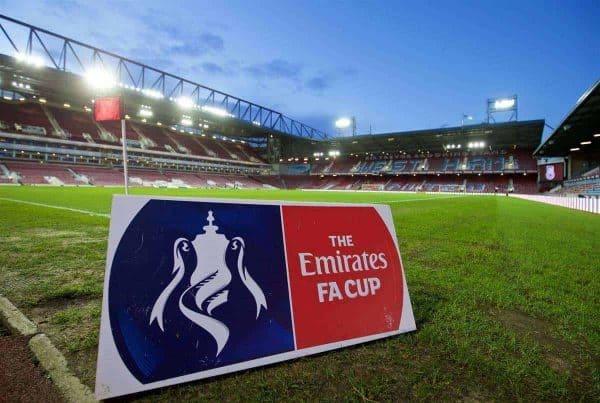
{"type": "Point", "coordinates": [338, 263]}
{"type": "Point", "coordinates": [198, 288]}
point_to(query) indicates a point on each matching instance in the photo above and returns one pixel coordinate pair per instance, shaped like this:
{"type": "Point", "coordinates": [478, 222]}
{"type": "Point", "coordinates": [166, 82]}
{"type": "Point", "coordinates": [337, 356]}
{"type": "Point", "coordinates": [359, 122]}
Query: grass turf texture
{"type": "Point", "coordinates": [506, 294]}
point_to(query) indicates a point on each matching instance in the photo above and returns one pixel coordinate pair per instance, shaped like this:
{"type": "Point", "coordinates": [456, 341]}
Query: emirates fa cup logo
{"type": "Point", "coordinates": [208, 283]}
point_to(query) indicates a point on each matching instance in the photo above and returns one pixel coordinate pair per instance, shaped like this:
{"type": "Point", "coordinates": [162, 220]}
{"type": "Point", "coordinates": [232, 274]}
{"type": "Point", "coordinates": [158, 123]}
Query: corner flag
{"type": "Point", "coordinates": [112, 108]}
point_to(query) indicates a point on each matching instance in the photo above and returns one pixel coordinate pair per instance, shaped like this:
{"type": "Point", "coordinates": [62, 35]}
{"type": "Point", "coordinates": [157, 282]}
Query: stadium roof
{"type": "Point", "coordinates": [516, 134]}
{"type": "Point", "coordinates": [580, 129]}
{"type": "Point", "coordinates": [45, 57]}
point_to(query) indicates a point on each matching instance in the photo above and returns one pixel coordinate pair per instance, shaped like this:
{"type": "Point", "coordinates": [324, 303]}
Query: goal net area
{"type": "Point", "coordinates": [372, 186]}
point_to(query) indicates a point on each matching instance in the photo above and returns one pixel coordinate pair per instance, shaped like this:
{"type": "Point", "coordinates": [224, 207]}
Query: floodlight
{"type": "Point", "coordinates": [30, 59]}
{"type": "Point", "coordinates": [343, 123]}
{"type": "Point", "coordinates": [575, 149]}
{"type": "Point", "coordinates": [216, 111]}
{"type": "Point", "coordinates": [100, 78]}
{"type": "Point", "coordinates": [597, 135]}
{"type": "Point", "coordinates": [505, 103]}
{"type": "Point", "coordinates": [185, 102]}
{"type": "Point", "coordinates": [584, 143]}
{"type": "Point", "coordinates": [145, 112]}
{"type": "Point", "coordinates": [333, 153]}
{"type": "Point", "coordinates": [21, 85]}
{"type": "Point", "coordinates": [152, 93]}
{"type": "Point", "coordinates": [186, 121]}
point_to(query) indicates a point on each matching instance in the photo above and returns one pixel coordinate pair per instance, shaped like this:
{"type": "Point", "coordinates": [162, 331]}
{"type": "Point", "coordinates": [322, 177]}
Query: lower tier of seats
{"type": "Point", "coordinates": [44, 173]}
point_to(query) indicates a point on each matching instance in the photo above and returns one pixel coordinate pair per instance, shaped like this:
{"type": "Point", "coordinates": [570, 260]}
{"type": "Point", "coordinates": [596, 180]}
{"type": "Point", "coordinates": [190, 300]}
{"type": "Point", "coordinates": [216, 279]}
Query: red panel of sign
{"type": "Point", "coordinates": [108, 108]}
{"type": "Point", "coordinates": [345, 279]}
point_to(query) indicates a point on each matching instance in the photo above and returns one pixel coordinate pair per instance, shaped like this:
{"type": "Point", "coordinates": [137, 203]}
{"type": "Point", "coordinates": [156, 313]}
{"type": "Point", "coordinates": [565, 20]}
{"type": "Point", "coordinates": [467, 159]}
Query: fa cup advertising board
{"type": "Point", "coordinates": [196, 288]}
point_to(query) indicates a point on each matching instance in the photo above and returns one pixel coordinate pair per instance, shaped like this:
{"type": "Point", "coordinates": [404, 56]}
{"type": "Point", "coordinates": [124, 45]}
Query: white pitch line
{"type": "Point", "coordinates": [420, 199]}
{"type": "Point", "coordinates": [94, 213]}
{"type": "Point", "coordinates": [76, 210]}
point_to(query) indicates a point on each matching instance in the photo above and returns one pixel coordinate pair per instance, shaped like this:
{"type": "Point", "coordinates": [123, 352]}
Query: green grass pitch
{"type": "Point", "coordinates": [506, 295]}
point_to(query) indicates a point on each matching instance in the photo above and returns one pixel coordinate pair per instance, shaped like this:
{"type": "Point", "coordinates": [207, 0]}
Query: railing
{"type": "Point", "coordinates": [589, 204]}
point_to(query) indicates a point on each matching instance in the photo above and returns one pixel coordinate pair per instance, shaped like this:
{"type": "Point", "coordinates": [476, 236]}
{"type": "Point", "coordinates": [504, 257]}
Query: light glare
{"type": "Point", "coordinates": [30, 59]}
{"type": "Point", "coordinates": [216, 111]}
{"type": "Point", "coordinates": [343, 123]}
{"type": "Point", "coordinates": [146, 113]}
{"type": "Point", "coordinates": [185, 102]}
{"type": "Point", "coordinates": [100, 78]}
{"type": "Point", "coordinates": [504, 103]}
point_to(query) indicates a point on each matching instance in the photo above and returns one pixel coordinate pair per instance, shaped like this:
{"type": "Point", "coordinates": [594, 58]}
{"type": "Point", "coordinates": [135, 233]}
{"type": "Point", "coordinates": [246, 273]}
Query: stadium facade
{"type": "Point", "coordinates": [575, 145]}
{"type": "Point", "coordinates": [184, 134]}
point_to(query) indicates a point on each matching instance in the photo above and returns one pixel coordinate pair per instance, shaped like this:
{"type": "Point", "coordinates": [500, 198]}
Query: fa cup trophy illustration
{"type": "Point", "coordinates": [208, 282]}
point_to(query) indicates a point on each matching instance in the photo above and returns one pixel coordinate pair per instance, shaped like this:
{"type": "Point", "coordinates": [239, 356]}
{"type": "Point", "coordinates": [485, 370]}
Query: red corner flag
{"type": "Point", "coordinates": [112, 108]}
{"type": "Point", "coordinates": [108, 108]}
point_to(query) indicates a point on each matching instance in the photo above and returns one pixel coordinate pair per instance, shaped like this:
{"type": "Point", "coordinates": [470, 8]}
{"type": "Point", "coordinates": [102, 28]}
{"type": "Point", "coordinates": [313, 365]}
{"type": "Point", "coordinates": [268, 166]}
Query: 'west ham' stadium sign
{"type": "Point", "coordinates": [196, 288]}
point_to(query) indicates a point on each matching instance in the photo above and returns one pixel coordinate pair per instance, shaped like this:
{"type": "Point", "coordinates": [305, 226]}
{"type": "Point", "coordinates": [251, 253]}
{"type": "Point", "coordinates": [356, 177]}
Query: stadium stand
{"type": "Point", "coordinates": [372, 171]}
{"type": "Point", "coordinates": [454, 162]}
{"type": "Point", "coordinates": [588, 184]}
{"type": "Point", "coordinates": [28, 118]}
{"type": "Point", "coordinates": [36, 173]}
{"type": "Point", "coordinates": [77, 126]}
{"type": "Point", "coordinates": [575, 145]}
{"type": "Point", "coordinates": [100, 176]}
{"type": "Point", "coordinates": [48, 136]}
{"type": "Point", "coordinates": [458, 171]}
{"type": "Point", "coordinates": [405, 184]}
{"type": "Point", "coordinates": [72, 125]}
{"type": "Point", "coordinates": [157, 137]}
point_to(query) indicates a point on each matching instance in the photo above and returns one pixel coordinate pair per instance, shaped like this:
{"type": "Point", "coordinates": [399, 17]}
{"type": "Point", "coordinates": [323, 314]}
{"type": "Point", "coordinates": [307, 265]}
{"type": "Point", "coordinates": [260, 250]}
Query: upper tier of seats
{"type": "Point", "coordinates": [515, 160]}
{"type": "Point", "coordinates": [25, 117]}
{"type": "Point", "coordinates": [68, 124]}
{"type": "Point", "coordinates": [486, 183]}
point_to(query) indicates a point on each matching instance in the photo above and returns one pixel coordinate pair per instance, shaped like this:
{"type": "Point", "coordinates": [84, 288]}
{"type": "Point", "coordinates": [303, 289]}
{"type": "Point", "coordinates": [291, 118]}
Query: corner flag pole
{"type": "Point", "coordinates": [124, 138]}
{"type": "Point", "coordinates": [112, 109]}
